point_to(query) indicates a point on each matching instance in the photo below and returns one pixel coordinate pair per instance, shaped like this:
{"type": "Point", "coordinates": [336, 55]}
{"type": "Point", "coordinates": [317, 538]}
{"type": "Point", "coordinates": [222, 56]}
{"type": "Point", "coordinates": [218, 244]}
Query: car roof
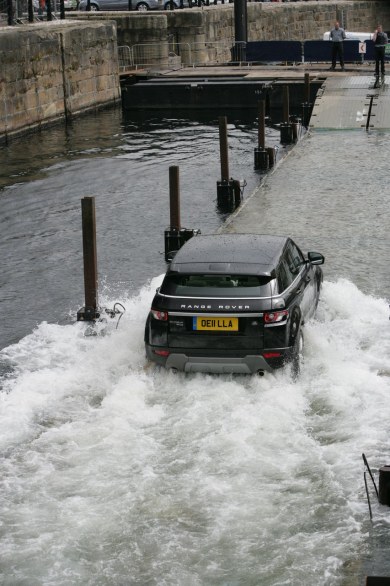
{"type": "Point", "coordinates": [254, 254]}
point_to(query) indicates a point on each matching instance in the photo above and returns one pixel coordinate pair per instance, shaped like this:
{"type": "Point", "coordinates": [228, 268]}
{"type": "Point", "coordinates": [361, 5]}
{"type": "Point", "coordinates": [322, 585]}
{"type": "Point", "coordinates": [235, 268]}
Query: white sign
{"type": "Point", "coordinates": [362, 47]}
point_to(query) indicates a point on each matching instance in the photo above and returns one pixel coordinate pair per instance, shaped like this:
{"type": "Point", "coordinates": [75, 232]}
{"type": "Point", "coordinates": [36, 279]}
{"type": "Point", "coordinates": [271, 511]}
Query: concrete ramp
{"type": "Point", "coordinates": [352, 102]}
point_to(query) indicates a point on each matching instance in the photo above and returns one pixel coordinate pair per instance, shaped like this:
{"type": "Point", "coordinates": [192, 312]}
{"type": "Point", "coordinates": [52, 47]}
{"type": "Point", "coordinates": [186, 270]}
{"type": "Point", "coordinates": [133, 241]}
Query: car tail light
{"type": "Point", "coordinates": [160, 315]}
{"type": "Point", "coordinates": [274, 317]}
{"type": "Point", "coordinates": [272, 355]}
{"type": "Point", "coordinates": [164, 353]}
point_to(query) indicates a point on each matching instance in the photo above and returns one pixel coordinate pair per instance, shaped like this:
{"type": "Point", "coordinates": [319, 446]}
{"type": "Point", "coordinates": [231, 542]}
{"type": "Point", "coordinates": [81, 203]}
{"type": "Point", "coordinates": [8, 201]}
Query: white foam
{"type": "Point", "coordinates": [115, 469]}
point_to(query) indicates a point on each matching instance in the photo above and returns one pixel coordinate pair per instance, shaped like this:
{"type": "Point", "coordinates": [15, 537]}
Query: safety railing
{"type": "Point", "coordinates": [125, 58]}
{"type": "Point", "coordinates": [161, 55]}
{"type": "Point", "coordinates": [172, 55]}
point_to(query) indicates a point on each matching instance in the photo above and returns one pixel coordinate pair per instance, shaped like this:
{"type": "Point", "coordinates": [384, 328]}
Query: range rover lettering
{"type": "Point", "coordinates": [233, 303]}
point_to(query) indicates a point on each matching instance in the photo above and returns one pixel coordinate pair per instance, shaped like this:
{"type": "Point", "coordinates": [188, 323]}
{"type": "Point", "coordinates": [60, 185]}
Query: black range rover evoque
{"type": "Point", "coordinates": [233, 303]}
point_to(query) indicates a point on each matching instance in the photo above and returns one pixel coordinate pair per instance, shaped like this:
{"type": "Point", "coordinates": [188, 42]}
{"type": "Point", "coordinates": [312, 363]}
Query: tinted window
{"type": "Point", "coordinates": [294, 258]}
{"type": "Point", "coordinates": [285, 278]}
{"type": "Point", "coordinates": [216, 286]}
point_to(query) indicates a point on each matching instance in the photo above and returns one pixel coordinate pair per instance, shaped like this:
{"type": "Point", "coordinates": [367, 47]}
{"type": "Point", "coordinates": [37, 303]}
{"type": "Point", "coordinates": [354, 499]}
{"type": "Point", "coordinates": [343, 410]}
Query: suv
{"type": "Point", "coordinates": [233, 303]}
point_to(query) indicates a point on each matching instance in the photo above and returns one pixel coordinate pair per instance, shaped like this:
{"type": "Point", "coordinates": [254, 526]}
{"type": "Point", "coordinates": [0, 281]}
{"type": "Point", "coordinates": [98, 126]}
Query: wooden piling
{"type": "Point", "coordinates": [261, 126]}
{"type": "Point", "coordinates": [223, 148]}
{"type": "Point", "coordinates": [307, 87]}
{"type": "Point", "coordinates": [286, 105]}
{"type": "Point", "coordinates": [174, 198]}
{"type": "Point", "coordinates": [89, 252]}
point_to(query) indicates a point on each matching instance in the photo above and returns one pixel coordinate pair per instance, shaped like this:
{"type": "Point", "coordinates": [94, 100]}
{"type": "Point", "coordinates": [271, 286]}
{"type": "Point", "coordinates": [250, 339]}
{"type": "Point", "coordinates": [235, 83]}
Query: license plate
{"type": "Point", "coordinates": [215, 324]}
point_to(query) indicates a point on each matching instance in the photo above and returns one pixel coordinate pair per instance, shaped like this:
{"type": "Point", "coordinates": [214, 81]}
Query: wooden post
{"type": "Point", "coordinates": [307, 87]}
{"type": "Point", "coordinates": [261, 128]}
{"type": "Point", "coordinates": [286, 105]}
{"type": "Point", "coordinates": [261, 153]}
{"type": "Point", "coordinates": [89, 312]}
{"type": "Point", "coordinates": [223, 147]}
{"type": "Point", "coordinates": [174, 198]}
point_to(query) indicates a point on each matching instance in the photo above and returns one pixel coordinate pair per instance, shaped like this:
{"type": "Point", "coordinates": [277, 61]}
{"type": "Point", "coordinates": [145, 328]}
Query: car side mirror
{"type": "Point", "coordinates": [316, 258]}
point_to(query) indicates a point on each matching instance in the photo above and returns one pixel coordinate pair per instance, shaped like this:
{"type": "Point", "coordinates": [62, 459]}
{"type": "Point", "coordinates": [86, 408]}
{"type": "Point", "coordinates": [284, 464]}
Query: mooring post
{"type": "Point", "coordinates": [89, 311]}
{"type": "Point", "coordinates": [261, 153]}
{"type": "Point", "coordinates": [306, 106]}
{"type": "Point", "coordinates": [384, 485]}
{"type": "Point", "coordinates": [286, 104]}
{"type": "Point", "coordinates": [174, 197]}
{"type": "Point", "coordinates": [175, 236]}
{"type": "Point", "coordinates": [225, 187]}
{"type": "Point", "coordinates": [286, 130]}
{"type": "Point", "coordinates": [223, 148]}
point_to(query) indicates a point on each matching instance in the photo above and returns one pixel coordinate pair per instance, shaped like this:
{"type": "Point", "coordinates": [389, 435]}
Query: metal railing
{"type": "Point", "coordinates": [125, 58]}
{"type": "Point", "coordinates": [173, 55]}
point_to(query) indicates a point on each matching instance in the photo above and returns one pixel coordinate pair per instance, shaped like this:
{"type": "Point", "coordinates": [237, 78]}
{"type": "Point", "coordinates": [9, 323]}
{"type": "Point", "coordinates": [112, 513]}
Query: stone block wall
{"type": "Point", "coordinates": [209, 31]}
{"type": "Point", "coordinates": [52, 71]}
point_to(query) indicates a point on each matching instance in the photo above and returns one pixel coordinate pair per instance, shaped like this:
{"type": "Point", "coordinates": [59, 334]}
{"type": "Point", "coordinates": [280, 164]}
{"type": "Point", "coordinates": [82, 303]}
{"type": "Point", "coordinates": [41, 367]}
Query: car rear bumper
{"type": "Point", "coordinates": [248, 364]}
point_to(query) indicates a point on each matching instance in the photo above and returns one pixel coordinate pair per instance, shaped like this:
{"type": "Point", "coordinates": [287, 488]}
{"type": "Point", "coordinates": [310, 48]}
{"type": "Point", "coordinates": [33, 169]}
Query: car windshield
{"type": "Point", "coordinates": [216, 286]}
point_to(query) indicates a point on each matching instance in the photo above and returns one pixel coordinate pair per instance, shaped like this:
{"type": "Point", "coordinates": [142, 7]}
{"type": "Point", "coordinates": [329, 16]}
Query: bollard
{"type": "Point", "coordinates": [296, 125]}
{"type": "Point", "coordinates": [225, 187]}
{"type": "Point", "coordinates": [237, 192]}
{"type": "Point", "coordinates": [223, 148]}
{"type": "Point", "coordinates": [286, 131]}
{"type": "Point", "coordinates": [174, 197]}
{"type": "Point", "coordinates": [384, 485]}
{"type": "Point", "coordinates": [175, 236]}
{"type": "Point", "coordinates": [261, 153]}
{"type": "Point", "coordinates": [89, 311]}
{"type": "Point", "coordinates": [225, 196]}
{"type": "Point", "coordinates": [174, 240]}
{"type": "Point", "coordinates": [286, 105]}
{"type": "Point", "coordinates": [62, 9]}
{"type": "Point", "coordinates": [271, 156]}
{"type": "Point", "coordinates": [261, 159]}
{"type": "Point", "coordinates": [307, 87]}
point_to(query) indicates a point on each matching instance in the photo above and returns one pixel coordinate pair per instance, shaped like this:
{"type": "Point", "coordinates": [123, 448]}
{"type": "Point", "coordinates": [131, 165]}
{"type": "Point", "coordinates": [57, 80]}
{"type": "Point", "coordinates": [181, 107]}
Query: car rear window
{"type": "Point", "coordinates": [216, 286]}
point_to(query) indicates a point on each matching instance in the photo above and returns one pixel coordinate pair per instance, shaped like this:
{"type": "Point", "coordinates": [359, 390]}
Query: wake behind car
{"type": "Point", "coordinates": [233, 303]}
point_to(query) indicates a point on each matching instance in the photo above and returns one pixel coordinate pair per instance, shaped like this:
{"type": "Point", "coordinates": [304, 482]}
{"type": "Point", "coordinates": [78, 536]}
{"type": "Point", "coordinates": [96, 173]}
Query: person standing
{"type": "Point", "coordinates": [380, 41]}
{"type": "Point", "coordinates": [337, 36]}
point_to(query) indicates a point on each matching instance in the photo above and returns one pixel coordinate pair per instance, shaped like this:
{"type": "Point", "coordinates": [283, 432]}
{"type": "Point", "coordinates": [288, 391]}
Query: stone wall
{"type": "Point", "coordinates": [50, 71]}
{"type": "Point", "coordinates": [54, 70]}
{"type": "Point", "coordinates": [266, 21]}
{"type": "Point", "coordinates": [210, 30]}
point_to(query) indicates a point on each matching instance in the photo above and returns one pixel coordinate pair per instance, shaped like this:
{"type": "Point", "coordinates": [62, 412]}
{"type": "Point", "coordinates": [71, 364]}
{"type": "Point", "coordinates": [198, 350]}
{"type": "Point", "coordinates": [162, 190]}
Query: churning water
{"type": "Point", "coordinates": [116, 473]}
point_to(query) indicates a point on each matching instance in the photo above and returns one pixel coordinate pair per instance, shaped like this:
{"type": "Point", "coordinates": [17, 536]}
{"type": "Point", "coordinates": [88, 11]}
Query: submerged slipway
{"type": "Point", "coordinates": [115, 473]}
